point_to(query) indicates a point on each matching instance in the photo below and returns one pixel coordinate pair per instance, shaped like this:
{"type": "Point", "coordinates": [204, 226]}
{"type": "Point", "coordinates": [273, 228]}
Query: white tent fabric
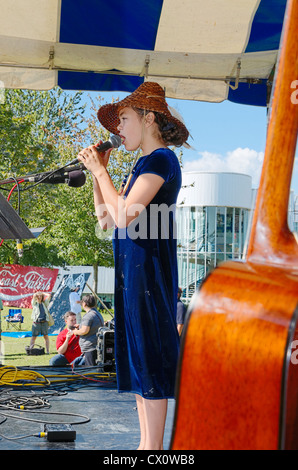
{"type": "Point", "coordinates": [196, 49]}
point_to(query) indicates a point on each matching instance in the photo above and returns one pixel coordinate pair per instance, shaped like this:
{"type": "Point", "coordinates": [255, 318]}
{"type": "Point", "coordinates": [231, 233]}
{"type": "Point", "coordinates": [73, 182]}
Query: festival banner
{"type": "Point", "coordinates": [18, 283]}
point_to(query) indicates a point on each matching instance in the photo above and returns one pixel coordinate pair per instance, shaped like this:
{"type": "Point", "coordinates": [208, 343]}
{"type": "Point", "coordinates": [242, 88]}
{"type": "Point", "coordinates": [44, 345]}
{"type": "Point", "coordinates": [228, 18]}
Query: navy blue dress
{"type": "Point", "coordinates": [146, 285]}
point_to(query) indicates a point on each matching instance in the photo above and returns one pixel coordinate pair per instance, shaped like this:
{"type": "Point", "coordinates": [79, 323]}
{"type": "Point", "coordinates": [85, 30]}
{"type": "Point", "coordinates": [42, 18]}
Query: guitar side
{"type": "Point", "coordinates": [236, 379]}
{"type": "Point", "coordinates": [237, 384]}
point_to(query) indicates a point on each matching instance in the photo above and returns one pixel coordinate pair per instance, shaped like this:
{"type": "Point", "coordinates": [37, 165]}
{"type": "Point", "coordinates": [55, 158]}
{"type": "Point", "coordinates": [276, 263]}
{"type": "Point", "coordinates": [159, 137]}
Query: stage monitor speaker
{"type": "Point", "coordinates": [106, 349]}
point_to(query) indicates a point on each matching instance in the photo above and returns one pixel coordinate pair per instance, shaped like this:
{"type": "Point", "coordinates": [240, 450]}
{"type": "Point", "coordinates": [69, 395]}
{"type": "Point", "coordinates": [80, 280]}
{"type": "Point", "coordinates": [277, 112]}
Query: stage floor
{"type": "Point", "coordinates": [113, 417]}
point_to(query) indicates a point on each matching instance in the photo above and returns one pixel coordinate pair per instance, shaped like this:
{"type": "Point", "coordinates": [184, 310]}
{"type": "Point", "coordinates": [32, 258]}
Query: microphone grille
{"type": "Point", "coordinates": [115, 140]}
{"type": "Point", "coordinates": [77, 178]}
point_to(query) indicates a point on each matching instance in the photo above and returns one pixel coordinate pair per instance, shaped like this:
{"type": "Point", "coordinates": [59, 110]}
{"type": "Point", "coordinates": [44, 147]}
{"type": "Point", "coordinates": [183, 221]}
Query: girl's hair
{"type": "Point", "coordinates": [169, 132]}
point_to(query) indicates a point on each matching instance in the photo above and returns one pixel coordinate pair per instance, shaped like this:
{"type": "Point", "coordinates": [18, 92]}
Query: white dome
{"type": "Point", "coordinates": [215, 189]}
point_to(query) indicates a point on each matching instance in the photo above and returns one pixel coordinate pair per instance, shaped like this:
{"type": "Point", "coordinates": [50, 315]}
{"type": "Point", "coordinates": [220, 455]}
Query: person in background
{"type": "Point", "coordinates": [75, 302]}
{"type": "Point", "coordinates": [40, 317]}
{"type": "Point", "coordinates": [181, 312]}
{"type": "Point", "coordinates": [87, 331]}
{"type": "Point", "coordinates": [67, 343]}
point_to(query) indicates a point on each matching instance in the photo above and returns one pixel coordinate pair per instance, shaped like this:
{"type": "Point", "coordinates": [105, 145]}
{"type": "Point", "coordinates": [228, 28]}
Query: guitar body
{"type": "Point", "coordinates": [237, 384]}
{"type": "Point", "coordinates": [238, 368]}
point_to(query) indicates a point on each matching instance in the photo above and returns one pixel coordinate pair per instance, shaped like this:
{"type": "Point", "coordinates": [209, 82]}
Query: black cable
{"type": "Point", "coordinates": [30, 404]}
{"type": "Point", "coordinates": [85, 419]}
{"type": "Point", "coordinates": [16, 403]}
{"type": "Point", "coordinates": [18, 437]}
{"type": "Point", "coordinates": [13, 400]}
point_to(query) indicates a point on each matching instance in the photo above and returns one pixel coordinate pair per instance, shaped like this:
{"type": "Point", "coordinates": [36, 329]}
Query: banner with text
{"type": "Point", "coordinates": [18, 283]}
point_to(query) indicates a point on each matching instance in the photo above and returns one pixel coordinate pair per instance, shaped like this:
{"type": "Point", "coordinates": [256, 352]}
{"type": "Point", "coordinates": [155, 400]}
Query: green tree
{"type": "Point", "coordinates": [30, 123]}
{"type": "Point", "coordinates": [42, 131]}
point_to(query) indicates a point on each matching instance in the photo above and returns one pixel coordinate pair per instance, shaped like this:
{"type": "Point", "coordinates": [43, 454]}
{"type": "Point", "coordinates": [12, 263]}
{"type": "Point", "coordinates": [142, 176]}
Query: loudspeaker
{"type": "Point", "coordinates": [106, 349]}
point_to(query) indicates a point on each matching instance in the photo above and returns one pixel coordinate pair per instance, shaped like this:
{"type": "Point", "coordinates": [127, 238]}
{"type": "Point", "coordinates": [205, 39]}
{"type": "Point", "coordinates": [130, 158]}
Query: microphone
{"type": "Point", "coordinates": [74, 178]}
{"type": "Point", "coordinates": [113, 142]}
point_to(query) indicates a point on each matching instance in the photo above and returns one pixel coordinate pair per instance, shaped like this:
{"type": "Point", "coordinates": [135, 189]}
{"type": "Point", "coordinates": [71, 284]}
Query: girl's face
{"type": "Point", "coordinates": [130, 128]}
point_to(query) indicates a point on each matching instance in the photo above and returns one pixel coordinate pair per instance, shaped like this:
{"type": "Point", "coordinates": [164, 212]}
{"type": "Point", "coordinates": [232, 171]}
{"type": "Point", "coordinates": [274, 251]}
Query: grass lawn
{"type": "Point", "coordinates": [13, 349]}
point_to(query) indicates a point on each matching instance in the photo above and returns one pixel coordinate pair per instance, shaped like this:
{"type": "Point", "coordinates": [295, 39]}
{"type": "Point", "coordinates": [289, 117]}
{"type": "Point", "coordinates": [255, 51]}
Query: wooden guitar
{"type": "Point", "coordinates": [237, 385]}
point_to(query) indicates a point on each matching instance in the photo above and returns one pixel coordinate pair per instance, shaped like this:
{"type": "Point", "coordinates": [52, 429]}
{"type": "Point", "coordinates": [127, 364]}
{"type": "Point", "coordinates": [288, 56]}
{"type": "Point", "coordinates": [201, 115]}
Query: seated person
{"type": "Point", "coordinates": [67, 343]}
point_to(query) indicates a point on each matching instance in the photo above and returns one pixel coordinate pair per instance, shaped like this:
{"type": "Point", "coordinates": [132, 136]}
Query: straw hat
{"type": "Point", "coordinates": [149, 96]}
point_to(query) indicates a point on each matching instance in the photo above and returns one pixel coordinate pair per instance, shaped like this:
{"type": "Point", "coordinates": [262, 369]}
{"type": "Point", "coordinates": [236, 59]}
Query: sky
{"type": "Point", "coordinates": [225, 137]}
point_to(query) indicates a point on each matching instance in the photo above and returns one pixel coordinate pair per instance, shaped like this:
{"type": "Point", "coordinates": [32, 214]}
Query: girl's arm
{"type": "Point", "coordinates": [103, 216]}
{"type": "Point", "coordinates": [122, 211]}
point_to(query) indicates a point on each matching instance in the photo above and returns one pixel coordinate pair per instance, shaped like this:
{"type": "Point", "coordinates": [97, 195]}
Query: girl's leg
{"type": "Point", "coordinates": [47, 341]}
{"type": "Point", "coordinates": [33, 338]}
{"type": "Point", "coordinates": [155, 412]}
{"type": "Point", "coordinates": [141, 414]}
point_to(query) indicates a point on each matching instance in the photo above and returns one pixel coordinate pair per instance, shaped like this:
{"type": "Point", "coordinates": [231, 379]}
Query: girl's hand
{"type": "Point", "coordinates": [93, 159]}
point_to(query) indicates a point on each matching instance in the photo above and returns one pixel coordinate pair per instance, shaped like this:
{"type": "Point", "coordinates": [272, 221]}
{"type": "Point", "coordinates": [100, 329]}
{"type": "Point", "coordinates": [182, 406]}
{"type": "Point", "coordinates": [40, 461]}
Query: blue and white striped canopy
{"type": "Point", "coordinates": [207, 50]}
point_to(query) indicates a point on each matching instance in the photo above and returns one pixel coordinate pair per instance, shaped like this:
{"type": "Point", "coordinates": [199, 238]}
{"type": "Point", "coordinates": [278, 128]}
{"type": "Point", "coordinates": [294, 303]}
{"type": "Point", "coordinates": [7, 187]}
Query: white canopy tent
{"type": "Point", "coordinates": [197, 50]}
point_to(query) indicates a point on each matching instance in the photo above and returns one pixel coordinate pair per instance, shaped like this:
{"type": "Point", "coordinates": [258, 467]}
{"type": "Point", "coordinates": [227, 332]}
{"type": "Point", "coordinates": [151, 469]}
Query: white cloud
{"type": "Point", "coordinates": [240, 160]}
